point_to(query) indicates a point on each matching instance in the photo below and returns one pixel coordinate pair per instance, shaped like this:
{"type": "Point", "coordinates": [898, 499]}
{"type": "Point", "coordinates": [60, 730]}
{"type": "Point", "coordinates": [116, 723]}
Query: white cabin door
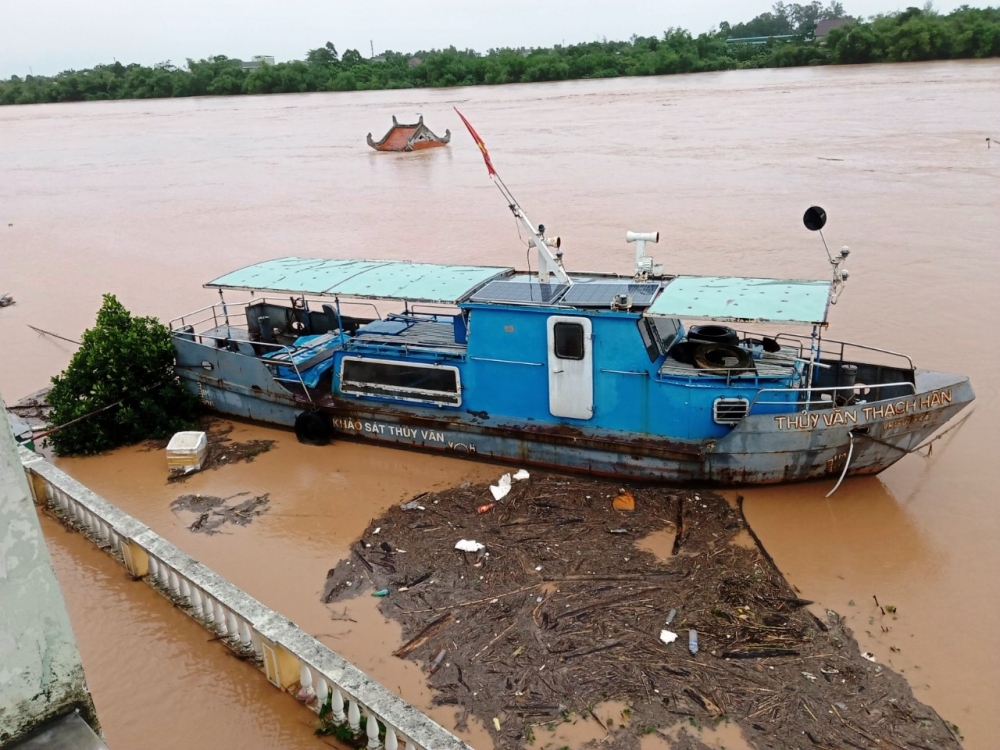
{"type": "Point", "coordinates": [571, 367]}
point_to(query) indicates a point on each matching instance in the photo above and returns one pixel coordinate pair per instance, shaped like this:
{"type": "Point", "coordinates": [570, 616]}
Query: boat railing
{"type": "Point", "coordinates": [830, 391]}
{"type": "Point", "coordinates": [224, 342]}
{"type": "Point", "coordinates": [800, 338]}
{"type": "Point", "coordinates": [293, 661]}
{"type": "Point", "coordinates": [217, 314]}
{"type": "Point", "coordinates": [802, 342]}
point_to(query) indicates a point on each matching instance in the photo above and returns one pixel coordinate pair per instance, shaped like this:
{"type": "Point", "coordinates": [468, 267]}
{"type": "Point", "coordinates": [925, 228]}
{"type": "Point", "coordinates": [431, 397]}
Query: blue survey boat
{"type": "Point", "coordinates": [713, 380]}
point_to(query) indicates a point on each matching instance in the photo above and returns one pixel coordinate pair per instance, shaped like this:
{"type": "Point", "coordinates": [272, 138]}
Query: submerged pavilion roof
{"type": "Point", "coordinates": [373, 279]}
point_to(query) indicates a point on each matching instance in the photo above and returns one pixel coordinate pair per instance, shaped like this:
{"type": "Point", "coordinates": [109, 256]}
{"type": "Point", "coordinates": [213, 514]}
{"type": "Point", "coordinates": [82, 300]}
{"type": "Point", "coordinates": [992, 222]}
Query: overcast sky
{"type": "Point", "coordinates": [48, 36]}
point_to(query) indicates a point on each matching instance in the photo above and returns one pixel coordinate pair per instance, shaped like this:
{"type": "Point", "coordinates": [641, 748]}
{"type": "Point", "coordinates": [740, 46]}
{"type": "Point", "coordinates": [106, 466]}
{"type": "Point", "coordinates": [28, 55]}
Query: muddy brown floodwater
{"type": "Point", "coordinates": [151, 199]}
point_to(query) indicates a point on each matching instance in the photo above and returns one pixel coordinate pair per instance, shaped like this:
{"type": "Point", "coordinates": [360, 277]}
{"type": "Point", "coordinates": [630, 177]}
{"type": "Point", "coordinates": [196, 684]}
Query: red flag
{"type": "Point", "coordinates": [479, 142]}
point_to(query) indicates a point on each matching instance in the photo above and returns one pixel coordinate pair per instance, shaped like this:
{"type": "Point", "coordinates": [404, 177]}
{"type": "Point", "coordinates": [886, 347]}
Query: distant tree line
{"type": "Point", "coordinates": [911, 35]}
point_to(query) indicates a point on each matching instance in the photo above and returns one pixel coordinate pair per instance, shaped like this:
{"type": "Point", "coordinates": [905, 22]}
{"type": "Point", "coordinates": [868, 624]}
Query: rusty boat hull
{"type": "Point", "coordinates": [867, 438]}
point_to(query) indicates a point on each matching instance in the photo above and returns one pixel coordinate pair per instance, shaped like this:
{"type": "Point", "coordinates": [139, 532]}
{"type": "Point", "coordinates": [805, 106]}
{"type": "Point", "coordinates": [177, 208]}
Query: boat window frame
{"type": "Point", "coordinates": [559, 342]}
{"type": "Point", "coordinates": [652, 339]}
{"type": "Point", "coordinates": [374, 389]}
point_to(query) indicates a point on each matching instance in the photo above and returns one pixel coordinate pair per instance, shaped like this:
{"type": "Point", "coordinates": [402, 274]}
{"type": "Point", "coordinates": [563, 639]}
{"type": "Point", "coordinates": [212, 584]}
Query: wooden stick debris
{"type": "Point", "coordinates": [54, 335]}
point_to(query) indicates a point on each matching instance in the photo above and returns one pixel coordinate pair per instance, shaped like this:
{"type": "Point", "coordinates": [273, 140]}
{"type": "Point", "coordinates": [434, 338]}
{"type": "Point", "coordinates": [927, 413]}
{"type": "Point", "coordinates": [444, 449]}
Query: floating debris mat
{"type": "Point", "coordinates": [531, 609]}
{"type": "Point", "coordinates": [212, 513]}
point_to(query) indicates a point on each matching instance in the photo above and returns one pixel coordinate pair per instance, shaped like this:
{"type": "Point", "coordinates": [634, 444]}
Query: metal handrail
{"type": "Point", "coordinates": [848, 343]}
{"type": "Point", "coordinates": [233, 310]}
{"type": "Point", "coordinates": [826, 389]}
{"type": "Point", "coordinates": [238, 309]}
{"type": "Point", "coordinates": [270, 362]}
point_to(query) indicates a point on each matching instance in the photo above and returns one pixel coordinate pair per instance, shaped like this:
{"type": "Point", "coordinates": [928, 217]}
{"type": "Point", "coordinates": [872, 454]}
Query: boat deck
{"type": "Point", "coordinates": [778, 366]}
{"type": "Point", "coordinates": [425, 333]}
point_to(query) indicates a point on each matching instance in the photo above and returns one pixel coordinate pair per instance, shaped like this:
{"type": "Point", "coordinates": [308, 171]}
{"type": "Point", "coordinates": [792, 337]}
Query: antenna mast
{"type": "Point", "coordinates": [814, 220]}
{"type": "Point", "coordinates": [548, 262]}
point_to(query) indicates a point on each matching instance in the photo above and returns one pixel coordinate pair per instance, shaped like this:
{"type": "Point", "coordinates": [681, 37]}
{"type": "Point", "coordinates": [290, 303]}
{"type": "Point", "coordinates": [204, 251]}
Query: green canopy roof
{"type": "Point", "coordinates": [740, 299]}
{"type": "Point", "coordinates": [373, 279]}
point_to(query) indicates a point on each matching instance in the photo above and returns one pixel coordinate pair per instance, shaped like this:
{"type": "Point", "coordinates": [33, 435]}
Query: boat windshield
{"type": "Point", "coordinates": [658, 334]}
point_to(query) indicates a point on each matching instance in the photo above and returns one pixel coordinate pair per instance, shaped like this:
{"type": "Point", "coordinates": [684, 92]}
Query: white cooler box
{"type": "Point", "coordinates": [186, 451]}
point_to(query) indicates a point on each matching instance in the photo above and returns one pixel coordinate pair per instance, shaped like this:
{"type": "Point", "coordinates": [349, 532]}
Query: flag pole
{"type": "Point", "coordinates": [547, 262]}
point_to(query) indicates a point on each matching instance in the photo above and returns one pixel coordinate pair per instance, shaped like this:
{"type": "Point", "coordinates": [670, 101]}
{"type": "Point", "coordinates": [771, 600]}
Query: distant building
{"type": "Point", "coordinates": [759, 39]}
{"type": "Point", "coordinates": [414, 61]}
{"type": "Point", "coordinates": [257, 61]}
{"type": "Point", "coordinates": [826, 26]}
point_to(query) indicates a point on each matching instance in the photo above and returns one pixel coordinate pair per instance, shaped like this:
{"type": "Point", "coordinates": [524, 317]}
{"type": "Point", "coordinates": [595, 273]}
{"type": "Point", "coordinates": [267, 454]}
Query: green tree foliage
{"type": "Point", "coordinates": [127, 359]}
{"type": "Point", "coordinates": [913, 34]}
{"type": "Point", "coordinates": [918, 34]}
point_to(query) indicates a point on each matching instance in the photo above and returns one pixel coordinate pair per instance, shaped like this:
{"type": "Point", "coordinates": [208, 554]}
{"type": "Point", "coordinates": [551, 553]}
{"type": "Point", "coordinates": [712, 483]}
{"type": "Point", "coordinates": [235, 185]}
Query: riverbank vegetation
{"type": "Point", "coordinates": [788, 31]}
{"type": "Point", "coordinates": [120, 387]}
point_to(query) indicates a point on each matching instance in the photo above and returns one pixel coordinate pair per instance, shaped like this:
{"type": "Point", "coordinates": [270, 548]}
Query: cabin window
{"type": "Point", "coordinates": [649, 339]}
{"type": "Point", "coordinates": [729, 410]}
{"type": "Point", "coordinates": [658, 335]}
{"type": "Point", "coordinates": [568, 340]}
{"type": "Point", "coordinates": [406, 381]}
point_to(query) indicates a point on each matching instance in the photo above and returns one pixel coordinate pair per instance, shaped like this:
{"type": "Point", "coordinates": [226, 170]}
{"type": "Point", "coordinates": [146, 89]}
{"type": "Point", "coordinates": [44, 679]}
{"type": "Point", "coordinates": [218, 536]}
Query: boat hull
{"type": "Point", "coordinates": [763, 449]}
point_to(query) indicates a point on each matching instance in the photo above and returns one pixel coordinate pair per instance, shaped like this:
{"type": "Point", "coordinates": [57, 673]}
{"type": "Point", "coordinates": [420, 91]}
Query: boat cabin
{"type": "Point", "coordinates": [604, 353]}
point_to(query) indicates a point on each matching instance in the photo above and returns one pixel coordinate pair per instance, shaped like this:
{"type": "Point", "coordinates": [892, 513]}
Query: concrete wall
{"type": "Point", "coordinates": [41, 676]}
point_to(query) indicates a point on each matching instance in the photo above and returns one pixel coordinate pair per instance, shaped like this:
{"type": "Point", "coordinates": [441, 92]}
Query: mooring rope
{"type": "Point", "coordinates": [847, 463]}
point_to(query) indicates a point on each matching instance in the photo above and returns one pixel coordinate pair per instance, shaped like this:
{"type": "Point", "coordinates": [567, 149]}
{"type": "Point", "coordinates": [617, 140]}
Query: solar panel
{"type": "Point", "coordinates": [602, 294]}
{"type": "Point", "coordinates": [519, 291]}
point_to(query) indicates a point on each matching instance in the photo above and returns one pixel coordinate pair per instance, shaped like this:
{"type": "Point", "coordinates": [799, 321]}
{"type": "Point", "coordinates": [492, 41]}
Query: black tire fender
{"type": "Point", "coordinates": [713, 334]}
{"type": "Point", "coordinates": [721, 356]}
{"type": "Point", "coordinates": [313, 428]}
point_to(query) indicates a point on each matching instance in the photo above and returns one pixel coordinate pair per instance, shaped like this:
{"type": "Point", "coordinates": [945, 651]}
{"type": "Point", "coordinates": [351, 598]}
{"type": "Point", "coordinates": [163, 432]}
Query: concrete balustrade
{"type": "Point", "coordinates": [291, 659]}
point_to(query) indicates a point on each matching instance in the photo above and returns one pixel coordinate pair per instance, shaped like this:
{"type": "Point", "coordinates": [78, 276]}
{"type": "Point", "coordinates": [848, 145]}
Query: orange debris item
{"type": "Point", "coordinates": [484, 508]}
{"type": "Point", "coordinates": [624, 501]}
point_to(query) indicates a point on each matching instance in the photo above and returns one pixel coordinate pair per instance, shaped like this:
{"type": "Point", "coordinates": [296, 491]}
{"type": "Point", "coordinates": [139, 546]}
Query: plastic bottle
{"type": "Point", "coordinates": [693, 641]}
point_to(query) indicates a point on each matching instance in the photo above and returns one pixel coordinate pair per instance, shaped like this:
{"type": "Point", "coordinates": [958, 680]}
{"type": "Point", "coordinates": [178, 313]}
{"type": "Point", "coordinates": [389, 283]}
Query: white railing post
{"type": "Point", "coordinates": [354, 716]}
{"type": "Point", "coordinates": [390, 738]}
{"type": "Point", "coordinates": [174, 585]}
{"type": "Point", "coordinates": [220, 620]}
{"type": "Point", "coordinates": [371, 728]}
{"type": "Point", "coordinates": [322, 691]}
{"type": "Point", "coordinates": [196, 609]}
{"type": "Point", "coordinates": [185, 593]}
{"type": "Point", "coordinates": [306, 693]}
{"type": "Point", "coordinates": [208, 610]}
{"type": "Point", "coordinates": [337, 706]}
{"type": "Point", "coordinates": [232, 625]}
{"type": "Point", "coordinates": [246, 637]}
